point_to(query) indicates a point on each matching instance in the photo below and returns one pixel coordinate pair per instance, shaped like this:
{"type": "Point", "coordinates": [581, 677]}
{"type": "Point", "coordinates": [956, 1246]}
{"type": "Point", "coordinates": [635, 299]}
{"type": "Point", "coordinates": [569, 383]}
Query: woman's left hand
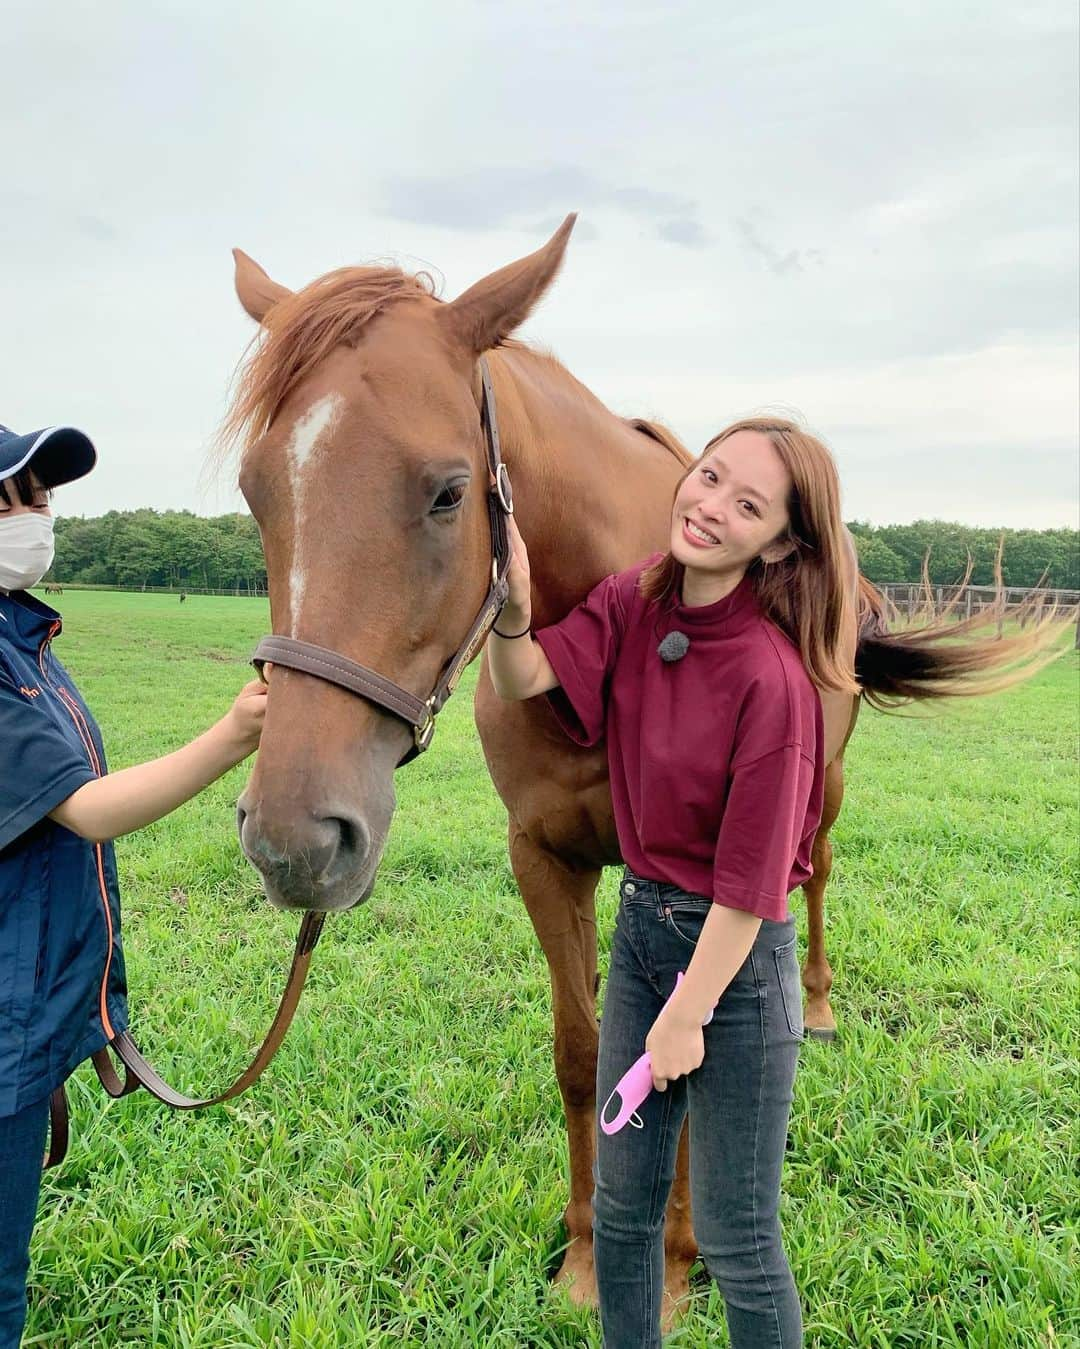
{"type": "Point", "coordinates": [675, 1047]}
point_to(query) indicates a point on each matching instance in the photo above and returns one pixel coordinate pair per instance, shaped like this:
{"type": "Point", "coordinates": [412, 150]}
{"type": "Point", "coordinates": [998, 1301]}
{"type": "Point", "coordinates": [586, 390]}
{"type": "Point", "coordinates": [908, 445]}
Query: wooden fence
{"type": "Point", "coordinates": [964, 602]}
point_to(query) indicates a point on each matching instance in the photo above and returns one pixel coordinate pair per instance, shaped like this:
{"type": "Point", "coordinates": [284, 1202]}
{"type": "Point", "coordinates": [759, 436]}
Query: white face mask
{"type": "Point", "coordinates": [26, 550]}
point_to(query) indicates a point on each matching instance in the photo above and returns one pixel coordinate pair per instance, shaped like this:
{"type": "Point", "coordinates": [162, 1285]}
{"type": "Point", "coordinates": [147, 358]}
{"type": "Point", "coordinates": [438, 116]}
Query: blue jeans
{"type": "Point", "coordinates": [22, 1144]}
{"type": "Point", "coordinates": [738, 1100]}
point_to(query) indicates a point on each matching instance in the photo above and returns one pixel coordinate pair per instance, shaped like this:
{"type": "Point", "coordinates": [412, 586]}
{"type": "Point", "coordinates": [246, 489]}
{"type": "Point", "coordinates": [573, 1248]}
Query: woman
{"type": "Point", "coordinates": [62, 989]}
{"type": "Point", "coordinates": [695, 669]}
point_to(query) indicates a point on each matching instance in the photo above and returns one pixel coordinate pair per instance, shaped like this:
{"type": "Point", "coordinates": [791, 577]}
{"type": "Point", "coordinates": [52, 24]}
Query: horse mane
{"type": "Point", "coordinates": [302, 329]}
{"type": "Point", "coordinates": [663, 436]}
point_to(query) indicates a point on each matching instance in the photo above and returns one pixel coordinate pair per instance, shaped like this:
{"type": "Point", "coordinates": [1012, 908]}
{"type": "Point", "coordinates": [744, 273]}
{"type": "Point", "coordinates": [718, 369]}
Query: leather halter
{"type": "Point", "coordinates": [419, 713]}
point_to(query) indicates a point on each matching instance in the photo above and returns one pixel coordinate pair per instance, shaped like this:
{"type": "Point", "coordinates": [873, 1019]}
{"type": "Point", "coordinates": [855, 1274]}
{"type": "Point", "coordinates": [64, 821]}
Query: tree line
{"type": "Point", "coordinates": [144, 548]}
{"type": "Point", "coordinates": [1030, 557]}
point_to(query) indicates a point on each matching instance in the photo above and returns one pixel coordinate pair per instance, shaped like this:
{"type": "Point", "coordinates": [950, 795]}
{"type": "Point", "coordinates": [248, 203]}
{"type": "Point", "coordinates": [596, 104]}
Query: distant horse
{"type": "Point", "coordinates": [183, 597]}
{"type": "Point", "coordinates": [53, 588]}
{"type": "Point", "coordinates": [364, 465]}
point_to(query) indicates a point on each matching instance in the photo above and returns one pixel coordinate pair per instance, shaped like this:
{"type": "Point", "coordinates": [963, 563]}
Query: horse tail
{"type": "Point", "coordinates": [936, 657]}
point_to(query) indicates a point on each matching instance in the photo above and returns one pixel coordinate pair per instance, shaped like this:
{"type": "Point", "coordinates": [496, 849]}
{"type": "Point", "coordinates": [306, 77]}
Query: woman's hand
{"type": "Point", "coordinates": [676, 1047]}
{"type": "Point", "coordinates": [246, 716]}
{"type": "Point", "coordinates": [516, 613]}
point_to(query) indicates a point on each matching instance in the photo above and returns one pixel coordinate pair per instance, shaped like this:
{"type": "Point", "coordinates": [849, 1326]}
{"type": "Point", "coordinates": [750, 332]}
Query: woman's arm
{"type": "Point", "coordinates": [517, 664]}
{"type": "Point", "coordinates": [676, 1044]}
{"type": "Point", "coordinates": [120, 802]}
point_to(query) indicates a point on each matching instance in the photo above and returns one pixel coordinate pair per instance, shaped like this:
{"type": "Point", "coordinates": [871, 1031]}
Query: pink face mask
{"type": "Point", "coordinates": [26, 550]}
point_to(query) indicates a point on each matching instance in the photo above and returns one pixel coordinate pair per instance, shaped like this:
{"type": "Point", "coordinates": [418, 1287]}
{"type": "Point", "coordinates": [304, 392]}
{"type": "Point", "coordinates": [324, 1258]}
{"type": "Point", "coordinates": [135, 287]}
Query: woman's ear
{"type": "Point", "coordinates": [780, 548]}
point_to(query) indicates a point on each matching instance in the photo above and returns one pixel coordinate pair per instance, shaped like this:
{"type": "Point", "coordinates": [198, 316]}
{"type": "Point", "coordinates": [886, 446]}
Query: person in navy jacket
{"type": "Point", "coordinates": [701, 670]}
{"type": "Point", "coordinates": [62, 987]}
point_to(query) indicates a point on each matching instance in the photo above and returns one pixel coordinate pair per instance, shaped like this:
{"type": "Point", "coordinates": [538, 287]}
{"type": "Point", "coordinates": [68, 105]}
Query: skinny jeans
{"type": "Point", "coordinates": [738, 1100]}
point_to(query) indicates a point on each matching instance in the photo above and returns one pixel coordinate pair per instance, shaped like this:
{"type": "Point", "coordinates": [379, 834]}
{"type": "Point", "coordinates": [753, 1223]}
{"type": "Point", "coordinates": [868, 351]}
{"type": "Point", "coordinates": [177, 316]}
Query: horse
{"type": "Point", "coordinates": [363, 461]}
{"type": "Point", "coordinates": [53, 588]}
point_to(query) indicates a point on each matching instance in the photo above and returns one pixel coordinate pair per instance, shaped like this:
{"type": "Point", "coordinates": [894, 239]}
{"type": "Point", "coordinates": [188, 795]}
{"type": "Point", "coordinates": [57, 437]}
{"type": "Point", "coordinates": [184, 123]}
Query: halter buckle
{"type": "Point", "coordinates": [424, 730]}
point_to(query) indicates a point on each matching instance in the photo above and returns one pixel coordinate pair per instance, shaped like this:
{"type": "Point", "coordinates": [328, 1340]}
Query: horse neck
{"type": "Point", "coordinates": [590, 492]}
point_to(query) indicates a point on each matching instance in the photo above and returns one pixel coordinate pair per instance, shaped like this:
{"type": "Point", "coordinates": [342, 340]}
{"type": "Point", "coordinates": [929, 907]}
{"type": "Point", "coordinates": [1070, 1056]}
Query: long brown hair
{"type": "Point", "coordinates": [804, 593]}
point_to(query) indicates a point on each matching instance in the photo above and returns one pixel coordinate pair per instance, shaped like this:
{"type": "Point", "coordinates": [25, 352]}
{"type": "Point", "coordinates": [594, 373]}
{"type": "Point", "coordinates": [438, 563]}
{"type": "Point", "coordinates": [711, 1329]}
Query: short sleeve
{"type": "Point", "coordinates": [582, 649]}
{"type": "Point", "coordinates": [39, 766]}
{"type": "Point", "coordinates": [773, 805]}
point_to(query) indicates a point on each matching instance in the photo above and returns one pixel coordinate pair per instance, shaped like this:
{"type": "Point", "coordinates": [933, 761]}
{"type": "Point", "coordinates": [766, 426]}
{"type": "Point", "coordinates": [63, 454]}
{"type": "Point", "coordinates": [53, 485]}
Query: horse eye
{"type": "Point", "coordinates": [449, 499]}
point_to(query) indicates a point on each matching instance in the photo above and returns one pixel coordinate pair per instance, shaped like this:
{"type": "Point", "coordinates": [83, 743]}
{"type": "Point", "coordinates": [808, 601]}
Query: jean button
{"type": "Point", "coordinates": [629, 888]}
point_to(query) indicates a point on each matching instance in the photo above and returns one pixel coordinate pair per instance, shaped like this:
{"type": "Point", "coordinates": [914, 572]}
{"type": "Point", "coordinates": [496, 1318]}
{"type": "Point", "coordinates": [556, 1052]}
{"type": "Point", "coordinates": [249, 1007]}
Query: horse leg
{"type": "Point", "coordinates": [560, 900]}
{"type": "Point", "coordinates": [817, 973]}
{"type": "Point", "coordinates": [680, 1244]}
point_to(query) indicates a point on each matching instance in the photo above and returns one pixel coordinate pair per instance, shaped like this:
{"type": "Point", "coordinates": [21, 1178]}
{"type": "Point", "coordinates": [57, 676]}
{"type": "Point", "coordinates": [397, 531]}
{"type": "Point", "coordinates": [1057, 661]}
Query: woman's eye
{"type": "Point", "coordinates": [750, 507]}
{"type": "Point", "coordinates": [449, 499]}
{"type": "Point", "coordinates": [708, 475]}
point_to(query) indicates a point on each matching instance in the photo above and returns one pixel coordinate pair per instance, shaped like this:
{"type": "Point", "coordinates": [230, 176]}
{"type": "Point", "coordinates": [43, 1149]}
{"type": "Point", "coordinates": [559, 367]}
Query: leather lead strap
{"type": "Point", "coordinates": [58, 1129]}
{"type": "Point", "coordinates": [138, 1072]}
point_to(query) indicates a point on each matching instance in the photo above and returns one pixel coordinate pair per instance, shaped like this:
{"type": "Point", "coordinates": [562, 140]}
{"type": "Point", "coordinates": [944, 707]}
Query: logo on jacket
{"type": "Point", "coordinates": [30, 693]}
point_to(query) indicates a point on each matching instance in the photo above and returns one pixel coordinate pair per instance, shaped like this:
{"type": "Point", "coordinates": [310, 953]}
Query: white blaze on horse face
{"type": "Point", "coordinates": [306, 435]}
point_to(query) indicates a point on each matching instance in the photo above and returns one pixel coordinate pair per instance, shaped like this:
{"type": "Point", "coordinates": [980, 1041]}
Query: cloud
{"type": "Point", "coordinates": [498, 197]}
{"type": "Point", "coordinates": [780, 264]}
{"type": "Point", "coordinates": [689, 233]}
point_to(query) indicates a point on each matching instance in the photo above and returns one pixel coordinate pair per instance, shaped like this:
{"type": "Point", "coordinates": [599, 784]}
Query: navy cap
{"type": "Point", "coordinates": [57, 455]}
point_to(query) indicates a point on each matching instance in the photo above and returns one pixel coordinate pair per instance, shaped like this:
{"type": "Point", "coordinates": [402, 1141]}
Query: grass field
{"type": "Point", "coordinates": [397, 1176]}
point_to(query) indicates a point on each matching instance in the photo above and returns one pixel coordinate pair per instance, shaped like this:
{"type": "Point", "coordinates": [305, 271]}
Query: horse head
{"type": "Point", "coordinates": [364, 465]}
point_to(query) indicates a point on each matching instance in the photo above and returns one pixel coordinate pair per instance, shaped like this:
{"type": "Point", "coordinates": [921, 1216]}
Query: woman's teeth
{"type": "Point", "coordinates": [699, 533]}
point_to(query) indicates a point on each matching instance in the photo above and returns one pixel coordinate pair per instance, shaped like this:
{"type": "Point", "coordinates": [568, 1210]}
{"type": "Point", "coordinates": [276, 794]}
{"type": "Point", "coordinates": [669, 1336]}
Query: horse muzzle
{"type": "Point", "coordinates": [323, 863]}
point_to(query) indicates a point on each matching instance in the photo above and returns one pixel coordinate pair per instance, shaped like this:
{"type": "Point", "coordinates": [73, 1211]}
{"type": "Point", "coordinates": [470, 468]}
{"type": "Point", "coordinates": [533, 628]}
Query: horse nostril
{"type": "Point", "coordinates": [354, 839]}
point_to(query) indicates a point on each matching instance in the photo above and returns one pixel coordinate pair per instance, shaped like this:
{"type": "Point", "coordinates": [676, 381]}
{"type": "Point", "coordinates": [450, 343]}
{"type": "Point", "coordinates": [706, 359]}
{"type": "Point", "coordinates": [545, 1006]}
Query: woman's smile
{"type": "Point", "coordinates": [698, 535]}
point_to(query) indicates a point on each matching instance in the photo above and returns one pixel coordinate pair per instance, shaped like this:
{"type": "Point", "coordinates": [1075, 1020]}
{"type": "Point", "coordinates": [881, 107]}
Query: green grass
{"type": "Point", "coordinates": [397, 1176]}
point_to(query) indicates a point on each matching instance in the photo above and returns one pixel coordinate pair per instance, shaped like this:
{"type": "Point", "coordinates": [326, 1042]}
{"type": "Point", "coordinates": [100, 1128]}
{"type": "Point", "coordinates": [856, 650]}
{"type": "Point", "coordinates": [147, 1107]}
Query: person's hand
{"type": "Point", "coordinates": [246, 716]}
{"type": "Point", "coordinates": [676, 1047]}
{"type": "Point", "coordinates": [517, 611]}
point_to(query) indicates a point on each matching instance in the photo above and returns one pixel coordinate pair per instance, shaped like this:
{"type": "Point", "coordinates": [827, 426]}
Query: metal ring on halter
{"type": "Point", "coordinates": [503, 490]}
{"type": "Point", "coordinates": [424, 730]}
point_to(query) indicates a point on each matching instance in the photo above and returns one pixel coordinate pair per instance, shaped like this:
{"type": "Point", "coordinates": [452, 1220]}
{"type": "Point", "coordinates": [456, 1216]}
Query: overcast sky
{"type": "Point", "coordinates": [867, 213]}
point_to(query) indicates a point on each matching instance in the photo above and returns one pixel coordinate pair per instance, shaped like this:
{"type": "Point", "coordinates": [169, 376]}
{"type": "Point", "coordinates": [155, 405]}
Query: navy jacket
{"type": "Point", "coordinates": [62, 986]}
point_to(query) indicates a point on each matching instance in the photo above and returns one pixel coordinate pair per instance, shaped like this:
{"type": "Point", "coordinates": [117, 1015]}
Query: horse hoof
{"type": "Point", "coordinates": [821, 1033]}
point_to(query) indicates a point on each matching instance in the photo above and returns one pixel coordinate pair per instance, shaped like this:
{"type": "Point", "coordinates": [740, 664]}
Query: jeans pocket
{"type": "Point", "coordinates": [686, 920]}
{"type": "Point", "coordinates": [787, 976]}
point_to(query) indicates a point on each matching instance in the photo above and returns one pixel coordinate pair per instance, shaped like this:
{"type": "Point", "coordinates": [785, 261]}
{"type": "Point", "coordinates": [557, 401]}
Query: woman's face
{"type": "Point", "coordinates": [732, 506]}
{"type": "Point", "coordinates": [14, 505]}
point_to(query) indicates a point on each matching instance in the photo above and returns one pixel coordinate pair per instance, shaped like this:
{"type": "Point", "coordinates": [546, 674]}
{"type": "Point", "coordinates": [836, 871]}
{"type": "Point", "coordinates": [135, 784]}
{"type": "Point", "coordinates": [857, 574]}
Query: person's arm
{"type": "Point", "coordinates": [517, 664]}
{"type": "Point", "coordinates": [120, 802]}
{"type": "Point", "coordinates": [676, 1044]}
{"type": "Point", "coordinates": [765, 818]}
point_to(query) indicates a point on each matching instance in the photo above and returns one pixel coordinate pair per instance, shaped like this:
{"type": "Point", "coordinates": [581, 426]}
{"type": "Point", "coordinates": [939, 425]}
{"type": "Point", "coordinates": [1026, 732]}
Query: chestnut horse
{"type": "Point", "coordinates": [364, 464]}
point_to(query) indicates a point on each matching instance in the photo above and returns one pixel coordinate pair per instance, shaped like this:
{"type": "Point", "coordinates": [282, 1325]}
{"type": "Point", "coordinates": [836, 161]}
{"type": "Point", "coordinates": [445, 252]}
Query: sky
{"type": "Point", "coordinates": [862, 214]}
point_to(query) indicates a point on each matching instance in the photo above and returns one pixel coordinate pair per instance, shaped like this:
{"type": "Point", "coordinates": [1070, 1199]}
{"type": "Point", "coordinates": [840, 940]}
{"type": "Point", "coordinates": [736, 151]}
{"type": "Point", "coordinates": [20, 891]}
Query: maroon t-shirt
{"type": "Point", "coordinates": [717, 759]}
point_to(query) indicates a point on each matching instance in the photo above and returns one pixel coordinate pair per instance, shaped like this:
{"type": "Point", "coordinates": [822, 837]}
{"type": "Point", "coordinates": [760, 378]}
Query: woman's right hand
{"type": "Point", "coordinates": [517, 612]}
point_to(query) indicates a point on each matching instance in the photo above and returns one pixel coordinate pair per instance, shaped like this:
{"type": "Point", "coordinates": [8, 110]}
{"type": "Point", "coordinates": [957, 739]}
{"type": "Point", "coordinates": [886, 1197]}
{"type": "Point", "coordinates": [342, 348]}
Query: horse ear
{"type": "Point", "coordinates": [257, 292]}
{"type": "Point", "coordinates": [492, 308]}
